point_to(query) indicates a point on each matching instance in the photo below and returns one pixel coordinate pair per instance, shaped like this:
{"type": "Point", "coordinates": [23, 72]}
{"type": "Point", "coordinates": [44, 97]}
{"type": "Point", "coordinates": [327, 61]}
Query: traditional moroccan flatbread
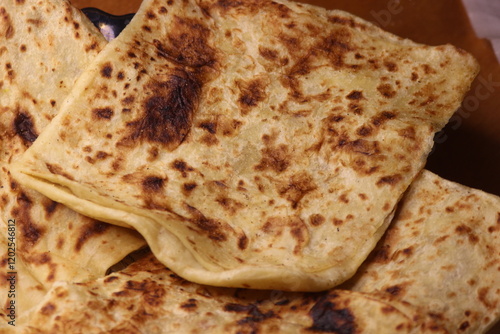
{"type": "Point", "coordinates": [250, 154]}
{"type": "Point", "coordinates": [148, 298]}
{"type": "Point", "coordinates": [21, 290]}
{"type": "Point", "coordinates": [434, 271]}
{"type": "Point", "coordinates": [44, 47]}
{"type": "Point", "coordinates": [441, 254]}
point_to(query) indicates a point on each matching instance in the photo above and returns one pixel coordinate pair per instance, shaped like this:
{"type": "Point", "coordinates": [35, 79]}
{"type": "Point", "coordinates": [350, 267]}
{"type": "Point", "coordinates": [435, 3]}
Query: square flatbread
{"type": "Point", "coordinates": [250, 154]}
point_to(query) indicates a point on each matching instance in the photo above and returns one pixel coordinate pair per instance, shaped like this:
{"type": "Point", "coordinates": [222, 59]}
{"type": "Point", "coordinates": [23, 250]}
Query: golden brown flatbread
{"type": "Point", "coordinates": [434, 271]}
{"type": "Point", "coordinates": [149, 298]}
{"type": "Point", "coordinates": [441, 254]}
{"type": "Point", "coordinates": [21, 290]}
{"type": "Point", "coordinates": [250, 154]}
{"type": "Point", "coordinates": [44, 47]}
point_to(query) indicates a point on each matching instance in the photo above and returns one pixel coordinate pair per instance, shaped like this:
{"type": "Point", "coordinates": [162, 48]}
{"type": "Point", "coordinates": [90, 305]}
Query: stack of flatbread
{"type": "Point", "coordinates": [44, 47]}
{"type": "Point", "coordinates": [269, 153]}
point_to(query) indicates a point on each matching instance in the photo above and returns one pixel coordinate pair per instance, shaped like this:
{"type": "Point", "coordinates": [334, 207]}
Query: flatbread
{"type": "Point", "coordinates": [149, 298]}
{"type": "Point", "coordinates": [442, 254]}
{"type": "Point", "coordinates": [44, 47]}
{"type": "Point", "coordinates": [21, 290]}
{"type": "Point", "coordinates": [250, 154]}
{"type": "Point", "coordinates": [434, 271]}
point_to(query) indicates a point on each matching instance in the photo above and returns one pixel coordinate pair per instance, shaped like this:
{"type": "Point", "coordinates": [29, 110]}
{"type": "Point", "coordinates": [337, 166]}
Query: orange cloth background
{"type": "Point", "coordinates": [468, 151]}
